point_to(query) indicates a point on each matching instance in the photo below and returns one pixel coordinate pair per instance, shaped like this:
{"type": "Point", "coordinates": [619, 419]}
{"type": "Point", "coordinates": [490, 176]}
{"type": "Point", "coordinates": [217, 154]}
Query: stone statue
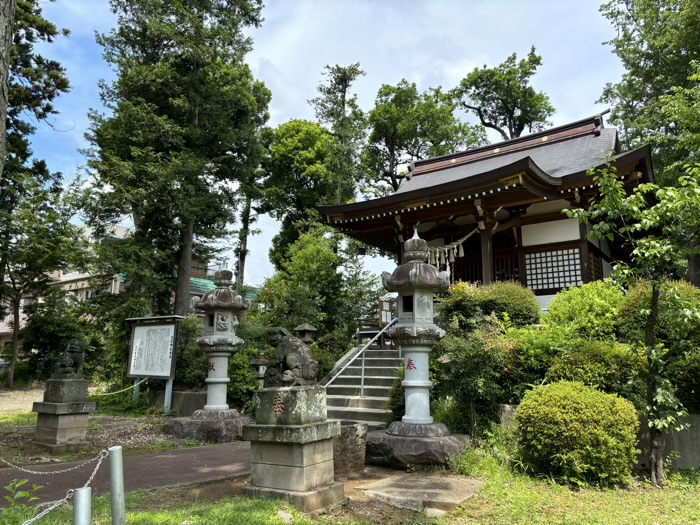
{"type": "Point", "coordinates": [293, 364]}
{"type": "Point", "coordinates": [70, 366]}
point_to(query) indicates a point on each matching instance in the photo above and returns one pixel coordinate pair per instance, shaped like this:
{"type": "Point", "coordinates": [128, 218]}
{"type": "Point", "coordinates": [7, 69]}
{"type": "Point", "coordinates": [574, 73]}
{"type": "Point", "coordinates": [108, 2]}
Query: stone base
{"type": "Point", "coordinates": [211, 415]}
{"type": "Point", "coordinates": [63, 448]}
{"type": "Point", "coordinates": [209, 430]}
{"type": "Point", "coordinates": [297, 405]}
{"type": "Point", "coordinates": [349, 449]}
{"type": "Point", "coordinates": [304, 501]}
{"type": "Point", "coordinates": [399, 428]}
{"type": "Point", "coordinates": [400, 451]}
{"type": "Point", "coordinates": [66, 390]}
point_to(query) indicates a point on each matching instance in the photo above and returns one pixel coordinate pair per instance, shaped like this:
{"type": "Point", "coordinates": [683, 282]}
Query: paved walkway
{"type": "Point", "coordinates": [189, 465]}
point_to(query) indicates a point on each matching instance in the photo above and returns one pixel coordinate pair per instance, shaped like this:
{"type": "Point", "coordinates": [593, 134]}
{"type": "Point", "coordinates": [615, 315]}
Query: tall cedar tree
{"type": "Point", "coordinates": [183, 126]}
{"type": "Point", "coordinates": [503, 98]}
{"type": "Point", "coordinates": [33, 216]}
{"type": "Point", "coordinates": [7, 21]}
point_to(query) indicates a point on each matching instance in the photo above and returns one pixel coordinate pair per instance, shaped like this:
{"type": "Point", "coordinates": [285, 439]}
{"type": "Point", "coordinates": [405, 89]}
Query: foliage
{"type": "Point", "coordinates": [656, 41]}
{"type": "Point", "coordinates": [243, 379]}
{"type": "Point", "coordinates": [579, 434]}
{"type": "Point", "coordinates": [466, 304]}
{"type": "Point", "coordinates": [678, 325]}
{"type": "Point", "coordinates": [684, 374]}
{"type": "Point", "coordinates": [658, 226]}
{"type": "Point", "coordinates": [330, 347]}
{"type": "Point", "coordinates": [590, 311]}
{"type": "Point", "coordinates": [191, 364]}
{"type": "Point", "coordinates": [51, 325]}
{"type": "Point", "coordinates": [503, 98]}
{"type": "Point", "coordinates": [406, 126]}
{"type": "Point", "coordinates": [608, 366]}
{"type": "Point", "coordinates": [19, 499]}
{"type": "Point", "coordinates": [397, 399]}
{"type": "Point", "coordinates": [182, 84]}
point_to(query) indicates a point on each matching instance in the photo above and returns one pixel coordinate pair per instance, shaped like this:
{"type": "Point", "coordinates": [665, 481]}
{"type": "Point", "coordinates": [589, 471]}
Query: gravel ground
{"type": "Point", "coordinates": [19, 400]}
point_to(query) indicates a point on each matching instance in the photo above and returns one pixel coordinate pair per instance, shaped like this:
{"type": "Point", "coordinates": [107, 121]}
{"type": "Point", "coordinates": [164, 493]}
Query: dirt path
{"type": "Point", "coordinates": [19, 400]}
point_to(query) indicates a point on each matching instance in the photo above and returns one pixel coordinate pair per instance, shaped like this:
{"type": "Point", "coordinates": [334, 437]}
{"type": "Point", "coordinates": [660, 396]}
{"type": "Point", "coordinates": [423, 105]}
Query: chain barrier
{"type": "Point", "coordinates": [69, 494]}
{"type": "Point", "coordinates": [120, 391]}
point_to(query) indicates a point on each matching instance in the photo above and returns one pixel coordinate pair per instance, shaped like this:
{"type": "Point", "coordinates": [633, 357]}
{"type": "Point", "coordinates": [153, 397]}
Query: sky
{"type": "Point", "coordinates": [429, 42]}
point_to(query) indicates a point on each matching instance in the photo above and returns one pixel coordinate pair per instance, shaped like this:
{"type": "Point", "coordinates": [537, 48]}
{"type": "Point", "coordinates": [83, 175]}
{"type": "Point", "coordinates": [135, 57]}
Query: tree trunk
{"type": "Point", "coordinates": [242, 250]}
{"type": "Point", "coordinates": [15, 341]}
{"type": "Point", "coordinates": [656, 460]}
{"type": "Point", "coordinates": [184, 267]}
{"type": "Point", "coordinates": [694, 264]}
{"type": "Point", "coordinates": [7, 23]}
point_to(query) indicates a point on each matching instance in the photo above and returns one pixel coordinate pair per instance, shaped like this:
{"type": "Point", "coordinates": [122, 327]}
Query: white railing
{"type": "Point", "coordinates": [362, 352]}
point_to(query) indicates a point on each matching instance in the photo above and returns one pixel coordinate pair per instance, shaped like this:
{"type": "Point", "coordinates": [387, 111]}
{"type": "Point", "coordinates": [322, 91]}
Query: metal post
{"type": "Point", "coordinates": [168, 403]}
{"type": "Point", "coordinates": [362, 383]}
{"type": "Point", "coordinates": [116, 483]}
{"type": "Point", "coordinates": [82, 506]}
{"type": "Point", "coordinates": [137, 389]}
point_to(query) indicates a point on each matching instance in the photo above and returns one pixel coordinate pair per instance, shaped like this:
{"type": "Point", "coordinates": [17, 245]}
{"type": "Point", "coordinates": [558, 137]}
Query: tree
{"type": "Point", "coordinates": [185, 115]}
{"type": "Point", "coordinates": [41, 240]}
{"type": "Point", "coordinates": [299, 178]}
{"type": "Point", "coordinates": [338, 110]}
{"type": "Point", "coordinates": [34, 82]}
{"type": "Point", "coordinates": [503, 98]}
{"type": "Point", "coordinates": [656, 224]}
{"type": "Point", "coordinates": [7, 22]}
{"type": "Point", "coordinates": [405, 126]}
{"type": "Point", "coordinates": [657, 42]}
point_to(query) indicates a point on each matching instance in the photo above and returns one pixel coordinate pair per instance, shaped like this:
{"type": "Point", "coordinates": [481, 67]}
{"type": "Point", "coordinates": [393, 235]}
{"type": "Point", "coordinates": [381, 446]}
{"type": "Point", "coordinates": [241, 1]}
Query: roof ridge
{"type": "Point", "coordinates": [579, 128]}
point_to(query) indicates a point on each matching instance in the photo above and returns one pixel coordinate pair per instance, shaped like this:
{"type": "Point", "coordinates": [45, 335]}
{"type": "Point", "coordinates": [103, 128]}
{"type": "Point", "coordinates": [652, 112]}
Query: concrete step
{"type": "Point", "coordinates": [371, 425]}
{"type": "Point", "coordinates": [359, 414]}
{"type": "Point", "coordinates": [385, 362]}
{"type": "Point", "coordinates": [356, 380]}
{"type": "Point", "coordinates": [354, 390]}
{"type": "Point", "coordinates": [392, 354]}
{"type": "Point", "coordinates": [376, 371]}
{"type": "Point", "coordinates": [357, 402]}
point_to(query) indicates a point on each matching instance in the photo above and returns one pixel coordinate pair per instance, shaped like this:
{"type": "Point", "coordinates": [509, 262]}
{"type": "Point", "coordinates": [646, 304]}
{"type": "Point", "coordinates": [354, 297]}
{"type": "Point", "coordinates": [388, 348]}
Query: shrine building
{"type": "Point", "coordinates": [494, 213]}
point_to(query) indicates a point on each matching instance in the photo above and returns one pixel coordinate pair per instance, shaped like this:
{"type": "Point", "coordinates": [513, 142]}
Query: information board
{"type": "Point", "coordinates": [384, 313]}
{"type": "Point", "coordinates": [152, 351]}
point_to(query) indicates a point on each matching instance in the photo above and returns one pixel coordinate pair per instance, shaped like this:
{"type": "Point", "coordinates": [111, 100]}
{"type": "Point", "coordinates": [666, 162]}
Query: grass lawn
{"type": "Point", "coordinates": [507, 499]}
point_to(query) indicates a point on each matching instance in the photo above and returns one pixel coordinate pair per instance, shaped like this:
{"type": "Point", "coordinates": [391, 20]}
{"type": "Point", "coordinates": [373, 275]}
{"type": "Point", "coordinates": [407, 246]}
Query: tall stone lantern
{"type": "Point", "coordinates": [416, 281]}
{"type": "Point", "coordinates": [221, 307]}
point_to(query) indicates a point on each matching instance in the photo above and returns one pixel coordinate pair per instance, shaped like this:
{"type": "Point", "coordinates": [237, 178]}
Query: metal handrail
{"type": "Point", "coordinates": [362, 351]}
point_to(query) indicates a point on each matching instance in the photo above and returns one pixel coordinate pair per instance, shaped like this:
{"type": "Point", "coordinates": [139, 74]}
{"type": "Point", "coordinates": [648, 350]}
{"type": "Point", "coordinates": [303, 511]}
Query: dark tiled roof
{"type": "Point", "coordinates": [557, 159]}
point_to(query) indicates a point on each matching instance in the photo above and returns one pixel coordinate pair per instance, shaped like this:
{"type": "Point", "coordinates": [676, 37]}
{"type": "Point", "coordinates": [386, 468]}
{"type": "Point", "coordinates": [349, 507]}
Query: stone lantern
{"type": "Point", "coordinates": [305, 332]}
{"type": "Point", "coordinates": [416, 281]}
{"type": "Point", "coordinates": [221, 307]}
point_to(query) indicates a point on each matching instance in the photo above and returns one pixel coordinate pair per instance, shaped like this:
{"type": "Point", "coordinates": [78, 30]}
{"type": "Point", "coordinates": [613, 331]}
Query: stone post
{"type": "Point", "coordinates": [216, 422]}
{"type": "Point", "coordinates": [61, 425]}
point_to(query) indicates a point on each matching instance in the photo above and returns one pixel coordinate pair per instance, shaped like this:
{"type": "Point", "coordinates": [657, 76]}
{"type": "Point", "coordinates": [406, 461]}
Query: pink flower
{"type": "Point", "coordinates": [506, 370]}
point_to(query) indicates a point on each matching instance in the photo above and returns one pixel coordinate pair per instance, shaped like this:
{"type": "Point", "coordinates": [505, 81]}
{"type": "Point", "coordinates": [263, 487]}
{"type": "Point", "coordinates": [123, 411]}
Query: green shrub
{"type": "Point", "coordinates": [191, 366]}
{"type": "Point", "coordinates": [397, 398]}
{"type": "Point", "coordinates": [613, 368]}
{"type": "Point", "coordinates": [678, 326]}
{"type": "Point", "coordinates": [243, 379]}
{"type": "Point", "coordinates": [466, 305]}
{"type": "Point", "coordinates": [684, 374]}
{"type": "Point", "coordinates": [448, 412]}
{"type": "Point", "coordinates": [577, 433]}
{"type": "Point", "coordinates": [329, 348]}
{"type": "Point", "coordinates": [589, 311]}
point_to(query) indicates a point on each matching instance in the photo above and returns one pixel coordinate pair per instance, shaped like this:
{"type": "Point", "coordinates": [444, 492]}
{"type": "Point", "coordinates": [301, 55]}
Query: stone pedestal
{"type": "Point", "coordinates": [292, 448]}
{"type": "Point", "coordinates": [349, 449]}
{"type": "Point", "coordinates": [63, 416]}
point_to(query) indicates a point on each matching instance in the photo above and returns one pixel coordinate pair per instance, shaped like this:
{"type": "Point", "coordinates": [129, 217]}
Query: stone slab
{"type": "Point", "coordinates": [290, 405]}
{"type": "Point", "coordinates": [400, 451]}
{"type": "Point", "coordinates": [292, 433]}
{"type": "Point", "coordinates": [63, 408]}
{"type": "Point", "coordinates": [184, 404]}
{"type": "Point", "coordinates": [63, 448]}
{"type": "Point", "coordinates": [304, 501]}
{"type": "Point", "coordinates": [294, 455]}
{"type": "Point", "coordinates": [66, 390]}
{"type": "Point", "coordinates": [211, 431]}
{"type": "Point", "coordinates": [62, 420]}
{"type": "Point", "coordinates": [299, 479]}
{"type": "Point", "coordinates": [349, 449]}
{"type": "Point", "coordinates": [423, 490]}
{"type": "Point", "coordinates": [57, 436]}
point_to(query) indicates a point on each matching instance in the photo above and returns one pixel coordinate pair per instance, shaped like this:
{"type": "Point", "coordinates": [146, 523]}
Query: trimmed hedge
{"type": "Point", "coordinates": [466, 304]}
{"type": "Point", "coordinates": [590, 311]}
{"type": "Point", "coordinates": [578, 434]}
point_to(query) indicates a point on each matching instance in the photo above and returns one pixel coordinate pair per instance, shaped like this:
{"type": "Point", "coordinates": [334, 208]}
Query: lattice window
{"type": "Point", "coordinates": [553, 269]}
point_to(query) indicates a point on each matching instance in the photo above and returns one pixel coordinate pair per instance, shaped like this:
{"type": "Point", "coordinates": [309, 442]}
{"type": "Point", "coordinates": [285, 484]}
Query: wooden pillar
{"type": "Point", "coordinates": [486, 256]}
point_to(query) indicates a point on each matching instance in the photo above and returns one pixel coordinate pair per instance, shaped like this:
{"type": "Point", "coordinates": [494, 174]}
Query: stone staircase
{"type": "Point", "coordinates": [343, 395]}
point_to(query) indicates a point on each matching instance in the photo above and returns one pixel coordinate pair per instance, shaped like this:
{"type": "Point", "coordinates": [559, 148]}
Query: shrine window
{"type": "Point", "coordinates": [554, 269]}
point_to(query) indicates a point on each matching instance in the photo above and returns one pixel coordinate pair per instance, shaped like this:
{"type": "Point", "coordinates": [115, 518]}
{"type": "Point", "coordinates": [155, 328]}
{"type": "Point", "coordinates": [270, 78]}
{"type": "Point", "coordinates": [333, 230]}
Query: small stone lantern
{"type": "Point", "coordinates": [416, 281]}
{"type": "Point", "coordinates": [259, 364]}
{"type": "Point", "coordinates": [221, 307]}
{"type": "Point", "coordinates": [305, 332]}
